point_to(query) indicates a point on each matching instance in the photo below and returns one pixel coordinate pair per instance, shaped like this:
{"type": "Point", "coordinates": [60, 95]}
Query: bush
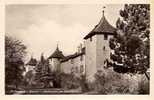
{"type": "Point", "coordinates": [69, 81]}
{"type": "Point", "coordinates": [84, 84]}
{"type": "Point", "coordinates": [109, 82]}
{"type": "Point", "coordinates": [99, 82]}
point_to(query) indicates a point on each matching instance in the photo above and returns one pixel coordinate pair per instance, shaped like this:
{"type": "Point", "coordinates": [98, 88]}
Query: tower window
{"type": "Point", "coordinates": [81, 57]}
{"type": "Point", "coordinates": [105, 37]}
{"type": "Point", "coordinates": [90, 38]}
{"type": "Point", "coordinates": [104, 48]}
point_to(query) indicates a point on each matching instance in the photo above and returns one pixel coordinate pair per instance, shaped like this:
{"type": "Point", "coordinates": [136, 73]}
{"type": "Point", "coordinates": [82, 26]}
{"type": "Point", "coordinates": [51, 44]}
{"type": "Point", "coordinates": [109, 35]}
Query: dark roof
{"type": "Point", "coordinates": [57, 54]}
{"type": "Point", "coordinates": [42, 59]}
{"type": "Point", "coordinates": [32, 62]}
{"type": "Point", "coordinates": [73, 55]}
{"type": "Point", "coordinates": [103, 27]}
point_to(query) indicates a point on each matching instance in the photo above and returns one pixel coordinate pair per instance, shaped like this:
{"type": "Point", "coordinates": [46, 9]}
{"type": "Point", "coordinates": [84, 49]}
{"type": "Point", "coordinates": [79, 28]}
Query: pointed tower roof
{"type": "Point", "coordinates": [103, 27]}
{"type": "Point", "coordinates": [42, 59]}
{"type": "Point", "coordinates": [57, 54]}
{"type": "Point", "coordinates": [32, 62]}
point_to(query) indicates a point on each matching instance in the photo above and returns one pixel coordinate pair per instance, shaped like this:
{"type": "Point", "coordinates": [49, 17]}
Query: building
{"type": "Point", "coordinates": [55, 60]}
{"type": "Point", "coordinates": [97, 47]}
{"type": "Point", "coordinates": [74, 63]}
{"type": "Point", "coordinates": [30, 66]}
{"type": "Point", "coordinates": [90, 58]}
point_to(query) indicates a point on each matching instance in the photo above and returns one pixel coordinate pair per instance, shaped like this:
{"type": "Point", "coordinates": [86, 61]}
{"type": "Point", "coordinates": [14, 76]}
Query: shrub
{"type": "Point", "coordinates": [84, 84]}
{"type": "Point", "coordinates": [69, 81]}
{"type": "Point", "coordinates": [110, 82]}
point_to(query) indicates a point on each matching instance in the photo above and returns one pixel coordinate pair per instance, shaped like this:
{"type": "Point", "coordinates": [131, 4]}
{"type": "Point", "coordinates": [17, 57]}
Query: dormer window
{"type": "Point", "coordinates": [105, 37]}
{"type": "Point", "coordinates": [90, 39]}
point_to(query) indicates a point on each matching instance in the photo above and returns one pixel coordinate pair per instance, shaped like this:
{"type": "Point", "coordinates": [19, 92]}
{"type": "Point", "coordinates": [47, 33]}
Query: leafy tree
{"type": "Point", "coordinates": [131, 46]}
{"type": "Point", "coordinates": [29, 78]}
{"type": "Point", "coordinates": [15, 51]}
{"type": "Point", "coordinates": [43, 74]}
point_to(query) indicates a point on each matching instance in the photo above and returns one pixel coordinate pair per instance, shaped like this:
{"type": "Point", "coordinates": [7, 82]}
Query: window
{"type": "Point", "coordinates": [76, 69]}
{"type": "Point", "coordinates": [90, 38]}
{"type": "Point", "coordinates": [105, 37]}
{"type": "Point", "coordinates": [72, 61]}
{"type": "Point", "coordinates": [81, 69]}
{"type": "Point", "coordinates": [81, 57]}
{"type": "Point", "coordinates": [104, 48]}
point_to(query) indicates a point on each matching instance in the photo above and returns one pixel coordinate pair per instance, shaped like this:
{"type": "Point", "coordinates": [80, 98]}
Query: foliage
{"type": "Point", "coordinates": [131, 44]}
{"type": "Point", "coordinates": [99, 82]}
{"type": "Point", "coordinates": [43, 77]}
{"type": "Point", "coordinates": [69, 81]}
{"type": "Point", "coordinates": [15, 52]}
{"type": "Point", "coordinates": [84, 84]}
{"type": "Point", "coordinates": [29, 79]}
{"type": "Point", "coordinates": [144, 86]}
{"type": "Point", "coordinates": [110, 83]}
{"type": "Point", "coordinates": [42, 72]}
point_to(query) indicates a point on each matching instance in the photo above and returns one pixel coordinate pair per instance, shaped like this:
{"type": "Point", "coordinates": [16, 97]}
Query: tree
{"type": "Point", "coordinates": [131, 46]}
{"type": "Point", "coordinates": [42, 73]}
{"type": "Point", "coordinates": [15, 52]}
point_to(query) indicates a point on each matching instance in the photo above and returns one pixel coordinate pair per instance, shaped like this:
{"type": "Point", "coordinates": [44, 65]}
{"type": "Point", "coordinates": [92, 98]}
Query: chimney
{"type": "Point", "coordinates": [80, 48]}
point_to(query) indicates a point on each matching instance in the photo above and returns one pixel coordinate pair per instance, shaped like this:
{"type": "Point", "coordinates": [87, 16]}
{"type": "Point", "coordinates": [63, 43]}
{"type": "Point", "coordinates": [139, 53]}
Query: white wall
{"type": "Point", "coordinates": [75, 66]}
{"type": "Point", "coordinates": [54, 64]}
{"type": "Point", "coordinates": [101, 54]}
{"type": "Point", "coordinates": [95, 54]}
{"type": "Point", "coordinates": [66, 67]}
{"type": "Point", "coordinates": [90, 58]}
{"type": "Point", "coordinates": [28, 68]}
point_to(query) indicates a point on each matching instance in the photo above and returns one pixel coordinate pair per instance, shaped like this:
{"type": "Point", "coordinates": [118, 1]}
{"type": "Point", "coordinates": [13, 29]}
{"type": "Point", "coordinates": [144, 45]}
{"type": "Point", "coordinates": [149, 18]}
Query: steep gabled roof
{"type": "Point", "coordinates": [73, 55]}
{"type": "Point", "coordinates": [32, 62]}
{"type": "Point", "coordinates": [103, 27]}
{"type": "Point", "coordinates": [57, 54]}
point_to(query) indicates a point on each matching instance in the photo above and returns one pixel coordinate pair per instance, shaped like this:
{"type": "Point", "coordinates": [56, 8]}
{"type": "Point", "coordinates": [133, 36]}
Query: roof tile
{"type": "Point", "coordinates": [103, 27]}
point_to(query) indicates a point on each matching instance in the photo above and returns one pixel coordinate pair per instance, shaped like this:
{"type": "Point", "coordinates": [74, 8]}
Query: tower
{"type": "Point", "coordinates": [55, 59]}
{"type": "Point", "coordinates": [97, 47]}
{"type": "Point", "coordinates": [31, 64]}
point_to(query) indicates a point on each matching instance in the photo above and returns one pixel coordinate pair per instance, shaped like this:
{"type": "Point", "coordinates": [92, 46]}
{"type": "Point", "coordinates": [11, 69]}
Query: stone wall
{"type": "Point", "coordinates": [75, 65]}
{"type": "Point", "coordinates": [102, 51]}
{"type": "Point", "coordinates": [90, 58]}
{"type": "Point", "coordinates": [54, 64]}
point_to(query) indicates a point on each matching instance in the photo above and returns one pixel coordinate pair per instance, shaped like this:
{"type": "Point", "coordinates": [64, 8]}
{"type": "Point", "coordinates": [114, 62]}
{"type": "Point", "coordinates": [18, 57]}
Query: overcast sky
{"type": "Point", "coordinates": [41, 27]}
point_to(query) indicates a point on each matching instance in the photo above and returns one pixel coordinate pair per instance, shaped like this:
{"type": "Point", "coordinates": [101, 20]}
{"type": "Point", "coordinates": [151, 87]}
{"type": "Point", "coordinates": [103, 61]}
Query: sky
{"type": "Point", "coordinates": [42, 27]}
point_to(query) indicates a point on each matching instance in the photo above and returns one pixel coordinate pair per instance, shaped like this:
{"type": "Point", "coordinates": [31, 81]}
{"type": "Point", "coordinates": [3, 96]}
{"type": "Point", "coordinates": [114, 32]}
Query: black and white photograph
{"type": "Point", "coordinates": [77, 49]}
